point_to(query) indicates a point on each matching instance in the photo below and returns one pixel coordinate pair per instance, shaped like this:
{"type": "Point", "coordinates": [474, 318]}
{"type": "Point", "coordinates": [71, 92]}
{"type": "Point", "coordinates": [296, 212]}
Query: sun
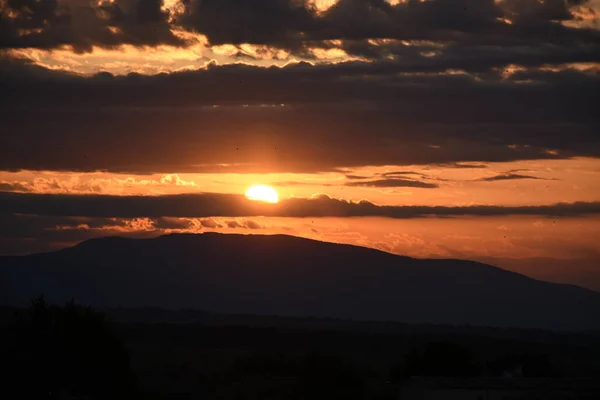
{"type": "Point", "coordinates": [262, 193]}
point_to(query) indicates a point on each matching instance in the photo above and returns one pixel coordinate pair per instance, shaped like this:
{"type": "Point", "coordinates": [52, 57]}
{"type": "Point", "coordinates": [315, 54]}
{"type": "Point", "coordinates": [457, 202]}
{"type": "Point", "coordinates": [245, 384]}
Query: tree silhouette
{"type": "Point", "coordinates": [70, 350]}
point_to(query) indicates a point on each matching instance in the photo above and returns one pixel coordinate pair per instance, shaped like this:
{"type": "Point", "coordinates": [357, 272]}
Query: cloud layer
{"type": "Point", "coordinates": [291, 24]}
{"type": "Point", "coordinates": [414, 82]}
{"type": "Point", "coordinates": [228, 205]}
{"type": "Point", "coordinates": [83, 24]}
{"type": "Point", "coordinates": [295, 118]}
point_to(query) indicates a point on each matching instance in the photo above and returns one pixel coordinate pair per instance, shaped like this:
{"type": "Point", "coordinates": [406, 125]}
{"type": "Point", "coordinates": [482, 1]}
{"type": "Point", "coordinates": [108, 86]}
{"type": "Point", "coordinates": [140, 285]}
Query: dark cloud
{"type": "Point", "coordinates": [225, 205]}
{"type": "Point", "coordinates": [391, 183]}
{"type": "Point", "coordinates": [477, 30]}
{"type": "Point", "coordinates": [246, 224]}
{"type": "Point", "coordinates": [252, 224]}
{"type": "Point", "coordinates": [402, 108]}
{"type": "Point", "coordinates": [82, 24]}
{"type": "Point", "coordinates": [234, 224]}
{"type": "Point", "coordinates": [13, 187]}
{"type": "Point", "coordinates": [391, 179]}
{"type": "Point", "coordinates": [387, 179]}
{"type": "Point", "coordinates": [359, 113]}
{"type": "Point", "coordinates": [392, 173]}
{"type": "Point", "coordinates": [240, 21]}
{"type": "Point", "coordinates": [300, 183]}
{"type": "Point", "coordinates": [508, 177]}
{"type": "Point", "coordinates": [431, 36]}
{"type": "Point", "coordinates": [22, 234]}
{"type": "Point", "coordinates": [548, 10]}
{"type": "Point", "coordinates": [292, 23]}
{"type": "Point", "coordinates": [210, 223]}
{"type": "Point", "coordinates": [26, 233]}
{"type": "Point", "coordinates": [33, 226]}
{"type": "Point", "coordinates": [462, 166]}
{"type": "Point", "coordinates": [172, 223]}
{"type": "Point", "coordinates": [204, 205]}
{"type": "Point", "coordinates": [395, 174]}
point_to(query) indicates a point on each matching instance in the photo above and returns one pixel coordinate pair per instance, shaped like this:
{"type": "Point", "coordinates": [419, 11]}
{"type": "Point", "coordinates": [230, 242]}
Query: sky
{"type": "Point", "coordinates": [430, 128]}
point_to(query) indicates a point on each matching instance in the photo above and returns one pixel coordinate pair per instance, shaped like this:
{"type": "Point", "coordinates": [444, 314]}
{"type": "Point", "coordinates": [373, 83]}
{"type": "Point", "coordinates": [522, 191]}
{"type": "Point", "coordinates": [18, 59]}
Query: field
{"type": "Point", "coordinates": [189, 353]}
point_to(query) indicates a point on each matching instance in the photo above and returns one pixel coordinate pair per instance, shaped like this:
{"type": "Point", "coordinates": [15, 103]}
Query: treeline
{"type": "Point", "coordinates": [73, 351]}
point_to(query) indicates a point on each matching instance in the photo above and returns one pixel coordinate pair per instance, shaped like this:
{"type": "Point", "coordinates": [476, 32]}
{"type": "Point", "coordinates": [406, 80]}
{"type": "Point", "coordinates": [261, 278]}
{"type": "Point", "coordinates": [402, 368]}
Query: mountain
{"type": "Point", "coordinates": [291, 276]}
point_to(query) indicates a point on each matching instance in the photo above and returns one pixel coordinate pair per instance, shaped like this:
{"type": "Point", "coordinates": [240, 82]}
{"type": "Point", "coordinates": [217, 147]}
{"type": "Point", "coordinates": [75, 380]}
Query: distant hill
{"type": "Point", "coordinates": [291, 276]}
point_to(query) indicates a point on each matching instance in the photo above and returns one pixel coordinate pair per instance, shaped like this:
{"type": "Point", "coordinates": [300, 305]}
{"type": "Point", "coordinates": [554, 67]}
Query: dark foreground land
{"type": "Point", "coordinates": [196, 355]}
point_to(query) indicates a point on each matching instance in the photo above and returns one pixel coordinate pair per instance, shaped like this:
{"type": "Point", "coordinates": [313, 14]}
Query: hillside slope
{"type": "Point", "coordinates": [290, 276]}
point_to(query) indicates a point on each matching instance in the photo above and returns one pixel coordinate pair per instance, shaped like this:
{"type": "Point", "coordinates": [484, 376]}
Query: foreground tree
{"type": "Point", "coordinates": [69, 351]}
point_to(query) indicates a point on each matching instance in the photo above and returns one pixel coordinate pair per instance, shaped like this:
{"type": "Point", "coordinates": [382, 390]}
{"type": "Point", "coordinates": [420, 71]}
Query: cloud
{"type": "Point", "coordinates": [353, 177]}
{"type": "Point", "coordinates": [391, 183]}
{"type": "Point", "coordinates": [253, 224]}
{"type": "Point", "coordinates": [26, 233]}
{"type": "Point", "coordinates": [401, 173]}
{"type": "Point", "coordinates": [294, 25]}
{"type": "Point", "coordinates": [255, 22]}
{"type": "Point", "coordinates": [99, 183]}
{"type": "Point", "coordinates": [173, 223]}
{"type": "Point", "coordinates": [234, 224]}
{"type": "Point", "coordinates": [14, 187]}
{"type": "Point", "coordinates": [23, 234]}
{"type": "Point", "coordinates": [244, 224]}
{"type": "Point", "coordinates": [462, 166]}
{"type": "Point", "coordinates": [430, 82]}
{"type": "Point", "coordinates": [210, 223]}
{"type": "Point", "coordinates": [224, 205]}
{"type": "Point", "coordinates": [360, 113]}
{"type": "Point", "coordinates": [50, 24]}
{"type": "Point", "coordinates": [508, 177]}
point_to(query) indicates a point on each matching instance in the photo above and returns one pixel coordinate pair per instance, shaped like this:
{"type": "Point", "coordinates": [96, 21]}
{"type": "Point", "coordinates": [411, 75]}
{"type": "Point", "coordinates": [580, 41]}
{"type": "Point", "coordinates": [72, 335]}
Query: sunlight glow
{"type": "Point", "coordinates": [262, 193]}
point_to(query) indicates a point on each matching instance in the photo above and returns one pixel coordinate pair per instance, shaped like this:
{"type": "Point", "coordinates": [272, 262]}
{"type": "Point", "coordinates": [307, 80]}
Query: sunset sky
{"type": "Point", "coordinates": [431, 128]}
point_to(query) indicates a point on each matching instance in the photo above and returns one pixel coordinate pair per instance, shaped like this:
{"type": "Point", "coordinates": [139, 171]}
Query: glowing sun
{"type": "Point", "coordinates": [262, 193]}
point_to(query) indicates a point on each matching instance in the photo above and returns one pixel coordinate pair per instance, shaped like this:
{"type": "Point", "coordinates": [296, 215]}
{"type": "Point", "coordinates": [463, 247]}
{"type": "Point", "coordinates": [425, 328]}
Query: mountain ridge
{"type": "Point", "coordinates": [290, 276]}
{"type": "Point", "coordinates": [216, 234]}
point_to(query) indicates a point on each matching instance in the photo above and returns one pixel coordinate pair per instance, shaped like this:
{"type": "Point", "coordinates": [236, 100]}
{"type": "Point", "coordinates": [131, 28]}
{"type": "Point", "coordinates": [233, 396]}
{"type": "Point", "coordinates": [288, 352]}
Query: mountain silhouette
{"type": "Point", "coordinates": [291, 276]}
